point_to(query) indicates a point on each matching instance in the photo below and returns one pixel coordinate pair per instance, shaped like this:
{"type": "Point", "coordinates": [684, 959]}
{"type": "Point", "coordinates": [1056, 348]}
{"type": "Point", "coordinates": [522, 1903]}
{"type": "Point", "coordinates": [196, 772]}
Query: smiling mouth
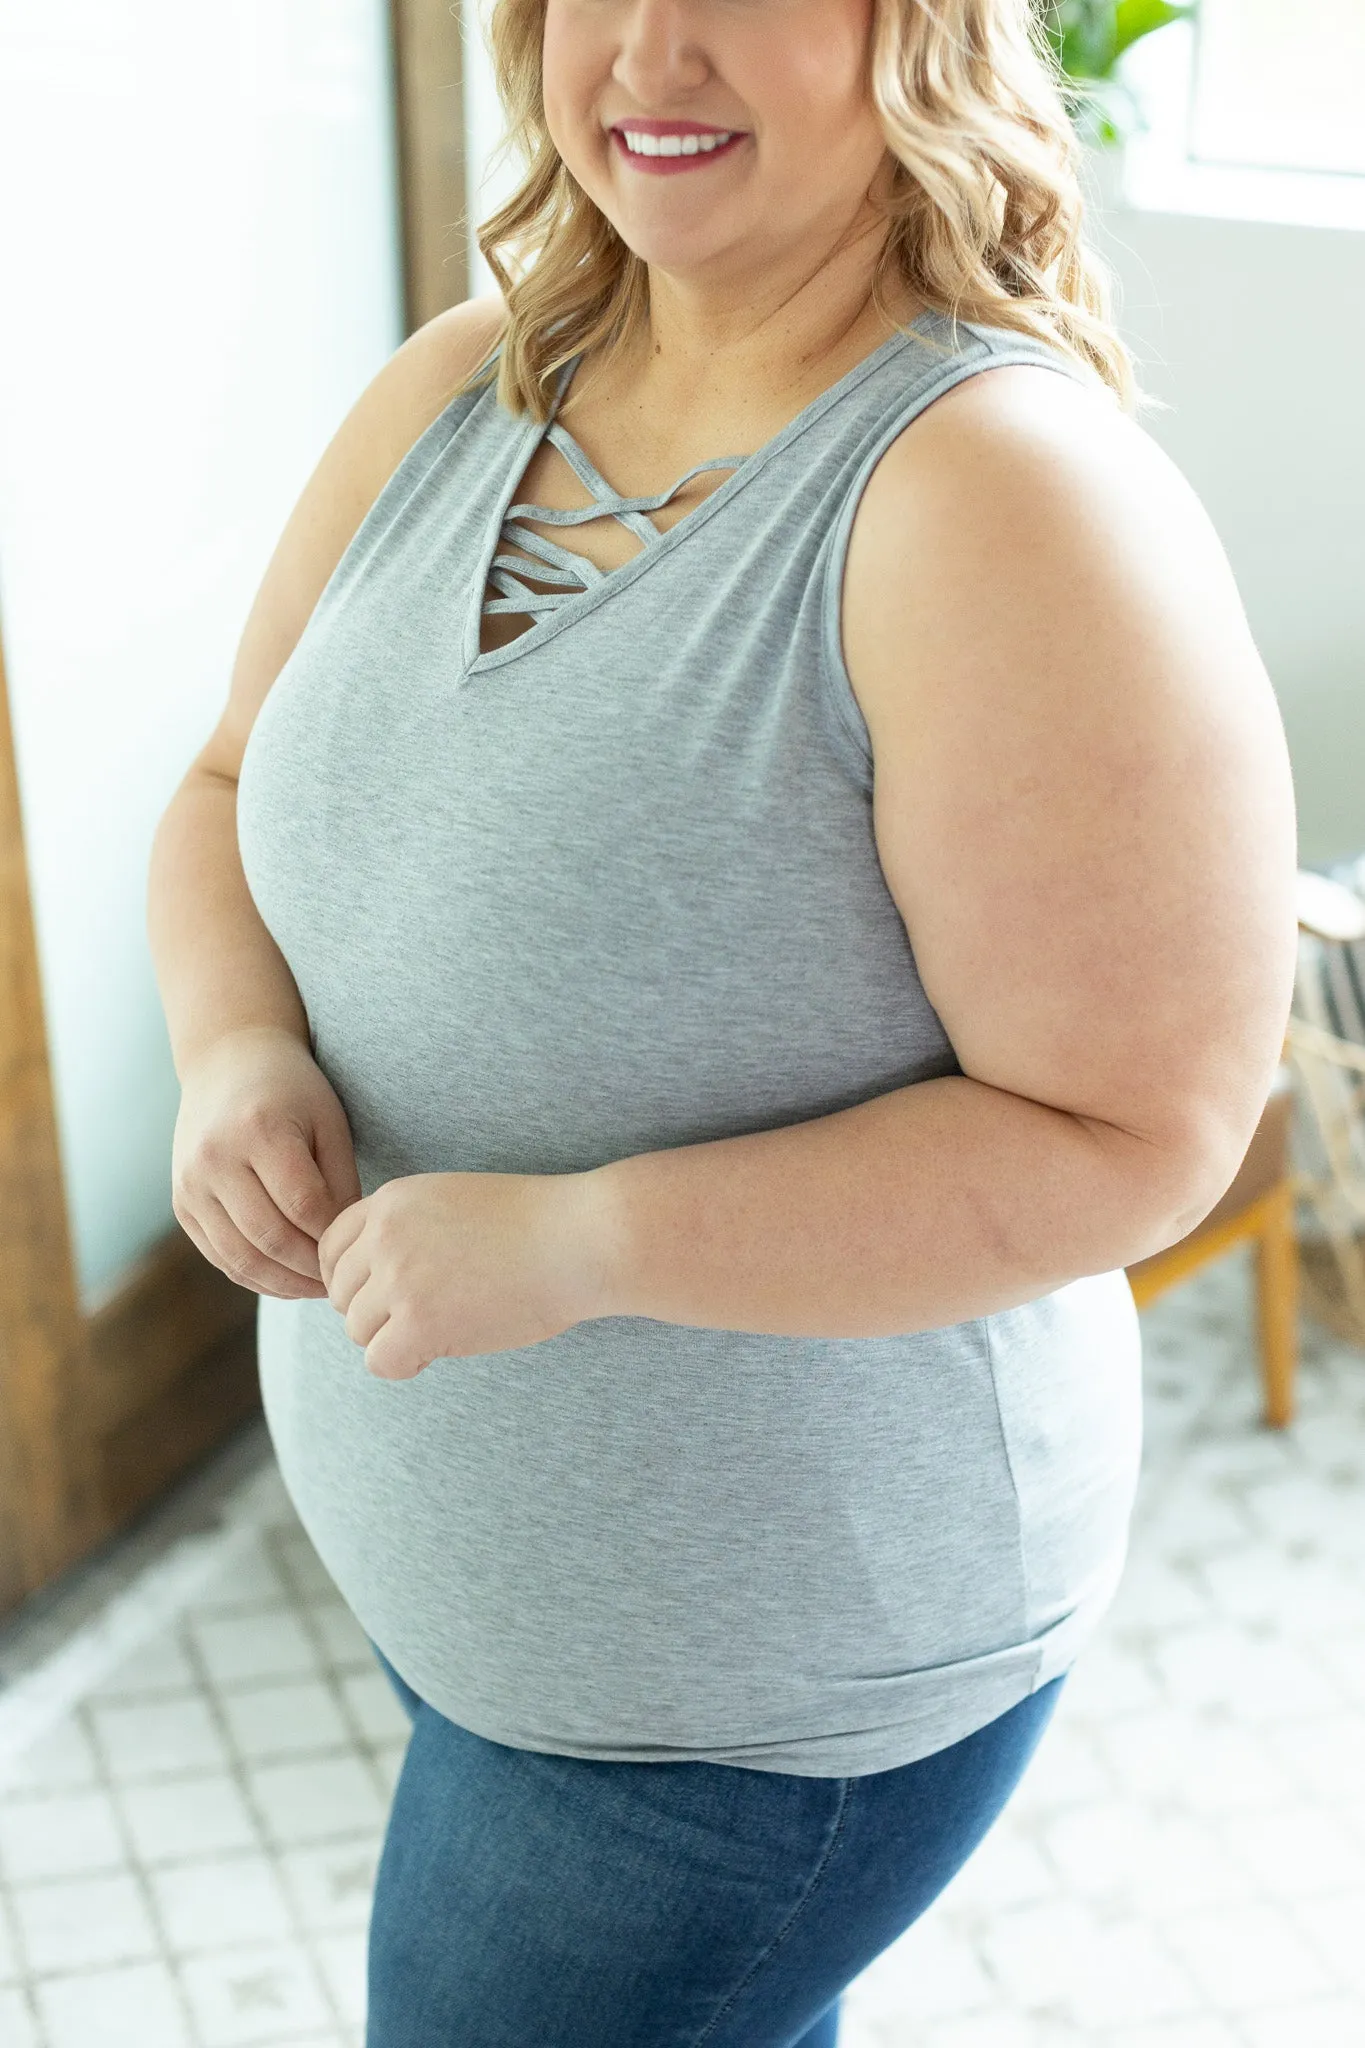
{"type": "Point", "coordinates": [653, 146]}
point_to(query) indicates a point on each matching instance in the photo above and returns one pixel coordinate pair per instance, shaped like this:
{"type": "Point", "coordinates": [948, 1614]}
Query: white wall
{"type": "Point", "coordinates": [198, 271]}
{"type": "Point", "coordinates": [1254, 334]}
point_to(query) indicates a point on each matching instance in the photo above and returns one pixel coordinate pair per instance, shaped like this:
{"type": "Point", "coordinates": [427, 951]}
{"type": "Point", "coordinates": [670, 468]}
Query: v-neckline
{"type": "Point", "coordinates": [477, 660]}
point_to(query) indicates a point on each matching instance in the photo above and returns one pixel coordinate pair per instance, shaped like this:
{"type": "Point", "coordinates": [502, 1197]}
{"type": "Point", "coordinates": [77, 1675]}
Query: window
{"type": "Point", "coordinates": [1255, 111]}
{"type": "Point", "coordinates": [1280, 84]}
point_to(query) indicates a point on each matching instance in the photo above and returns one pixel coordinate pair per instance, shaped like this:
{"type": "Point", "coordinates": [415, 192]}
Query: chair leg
{"type": "Point", "coordinates": [1277, 1293]}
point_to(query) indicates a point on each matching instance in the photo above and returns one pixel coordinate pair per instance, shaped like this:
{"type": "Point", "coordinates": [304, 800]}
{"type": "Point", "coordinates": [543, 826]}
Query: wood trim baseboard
{"type": "Point", "coordinates": [169, 1311]}
{"type": "Point", "coordinates": [191, 1413]}
{"type": "Point", "coordinates": [170, 1370]}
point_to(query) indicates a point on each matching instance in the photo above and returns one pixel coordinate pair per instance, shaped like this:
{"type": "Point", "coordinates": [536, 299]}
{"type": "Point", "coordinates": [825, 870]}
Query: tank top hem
{"type": "Point", "coordinates": [933, 1710]}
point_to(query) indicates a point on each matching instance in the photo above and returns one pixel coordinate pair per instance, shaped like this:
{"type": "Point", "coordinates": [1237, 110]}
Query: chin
{"type": "Point", "coordinates": [665, 242]}
{"type": "Point", "coordinates": [678, 259]}
{"type": "Point", "coordinates": [673, 248]}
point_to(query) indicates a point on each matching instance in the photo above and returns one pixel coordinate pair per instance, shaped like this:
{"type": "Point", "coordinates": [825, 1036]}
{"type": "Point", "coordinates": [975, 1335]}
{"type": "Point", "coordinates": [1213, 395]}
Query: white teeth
{"type": "Point", "coordinates": [642, 144]}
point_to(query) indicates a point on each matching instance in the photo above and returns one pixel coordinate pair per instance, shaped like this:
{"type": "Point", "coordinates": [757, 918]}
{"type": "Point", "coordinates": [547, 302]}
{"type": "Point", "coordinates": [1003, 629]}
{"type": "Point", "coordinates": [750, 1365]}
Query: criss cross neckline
{"type": "Point", "coordinates": [584, 586]}
{"type": "Point", "coordinates": [571, 575]}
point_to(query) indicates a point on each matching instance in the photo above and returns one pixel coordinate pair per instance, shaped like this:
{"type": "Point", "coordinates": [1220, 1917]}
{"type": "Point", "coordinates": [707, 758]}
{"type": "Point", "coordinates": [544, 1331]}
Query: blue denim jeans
{"type": "Point", "coordinates": [534, 1901]}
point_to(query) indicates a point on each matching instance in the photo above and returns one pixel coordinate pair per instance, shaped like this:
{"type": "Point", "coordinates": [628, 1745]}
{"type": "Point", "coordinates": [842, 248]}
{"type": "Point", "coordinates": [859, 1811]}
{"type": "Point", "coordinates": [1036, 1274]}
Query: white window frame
{"type": "Point", "coordinates": [1159, 176]}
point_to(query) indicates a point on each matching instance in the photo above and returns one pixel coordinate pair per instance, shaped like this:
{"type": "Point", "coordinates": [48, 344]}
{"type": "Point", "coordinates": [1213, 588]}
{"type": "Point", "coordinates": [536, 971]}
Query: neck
{"type": "Point", "coordinates": [770, 334]}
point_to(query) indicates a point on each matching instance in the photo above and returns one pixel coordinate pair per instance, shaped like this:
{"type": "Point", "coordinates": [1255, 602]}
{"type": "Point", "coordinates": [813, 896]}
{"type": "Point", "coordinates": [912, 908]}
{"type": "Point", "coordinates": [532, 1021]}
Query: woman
{"type": "Point", "coordinates": [697, 988]}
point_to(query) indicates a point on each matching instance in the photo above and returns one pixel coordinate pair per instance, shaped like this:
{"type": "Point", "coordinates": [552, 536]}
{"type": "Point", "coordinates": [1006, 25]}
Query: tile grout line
{"type": "Point", "coordinates": [31, 1705]}
{"type": "Point", "coordinates": [239, 1772]}
{"type": "Point", "coordinates": [207, 1692]}
{"type": "Point", "coordinates": [24, 1984]}
{"type": "Point", "coordinates": [1214, 1823]}
{"type": "Point", "coordinates": [1036, 1829]}
{"type": "Point", "coordinates": [360, 1741]}
{"type": "Point", "coordinates": [85, 1719]}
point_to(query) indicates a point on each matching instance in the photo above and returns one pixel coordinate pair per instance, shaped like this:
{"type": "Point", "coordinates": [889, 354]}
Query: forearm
{"type": "Point", "coordinates": [216, 965]}
{"type": "Point", "coordinates": [930, 1205]}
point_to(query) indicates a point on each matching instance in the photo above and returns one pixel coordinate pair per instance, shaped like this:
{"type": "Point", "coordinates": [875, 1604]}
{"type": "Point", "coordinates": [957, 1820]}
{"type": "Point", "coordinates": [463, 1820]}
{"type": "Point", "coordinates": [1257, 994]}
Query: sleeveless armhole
{"type": "Point", "coordinates": [855, 743]}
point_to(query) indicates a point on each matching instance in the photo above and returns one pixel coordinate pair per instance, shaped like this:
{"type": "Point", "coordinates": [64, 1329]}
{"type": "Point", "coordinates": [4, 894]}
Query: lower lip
{"type": "Point", "coordinates": [669, 166]}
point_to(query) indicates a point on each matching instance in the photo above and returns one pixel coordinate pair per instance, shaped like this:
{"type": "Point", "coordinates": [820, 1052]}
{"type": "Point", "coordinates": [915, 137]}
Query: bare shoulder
{"type": "Point", "coordinates": [1015, 487]}
{"type": "Point", "coordinates": [395, 409]}
{"type": "Point", "coordinates": [420, 379]}
{"type": "Point", "coordinates": [1025, 526]}
{"type": "Point", "coordinates": [1082, 799]}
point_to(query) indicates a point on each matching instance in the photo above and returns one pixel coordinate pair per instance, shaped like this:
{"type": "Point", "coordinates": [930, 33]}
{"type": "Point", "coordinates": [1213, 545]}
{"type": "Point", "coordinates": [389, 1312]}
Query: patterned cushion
{"type": "Point", "coordinates": [1330, 992]}
{"type": "Point", "coordinates": [1337, 970]}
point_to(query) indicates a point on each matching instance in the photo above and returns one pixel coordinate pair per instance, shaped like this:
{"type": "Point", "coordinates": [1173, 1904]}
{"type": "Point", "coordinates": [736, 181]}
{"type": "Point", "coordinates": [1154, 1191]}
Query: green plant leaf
{"type": "Point", "coordinates": [1083, 34]}
{"type": "Point", "coordinates": [1134, 19]}
{"type": "Point", "coordinates": [1089, 36]}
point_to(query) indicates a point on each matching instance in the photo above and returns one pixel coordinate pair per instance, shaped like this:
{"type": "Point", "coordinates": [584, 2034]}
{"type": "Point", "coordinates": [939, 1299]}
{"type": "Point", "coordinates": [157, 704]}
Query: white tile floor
{"type": "Point", "coordinates": [196, 1752]}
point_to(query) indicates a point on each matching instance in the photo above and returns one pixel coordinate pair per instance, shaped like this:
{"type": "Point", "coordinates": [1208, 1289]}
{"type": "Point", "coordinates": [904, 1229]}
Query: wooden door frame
{"type": "Point", "coordinates": [428, 85]}
{"type": "Point", "coordinates": [46, 1510]}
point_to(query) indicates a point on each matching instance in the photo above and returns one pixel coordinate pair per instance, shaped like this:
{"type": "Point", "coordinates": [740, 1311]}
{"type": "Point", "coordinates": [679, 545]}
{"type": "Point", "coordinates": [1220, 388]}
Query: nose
{"type": "Point", "coordinates": [659, 58]}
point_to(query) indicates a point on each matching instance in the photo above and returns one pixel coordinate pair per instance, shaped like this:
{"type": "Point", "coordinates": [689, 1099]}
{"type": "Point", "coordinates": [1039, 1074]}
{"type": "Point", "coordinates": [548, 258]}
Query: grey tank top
{"type": "Point", "coordinates": [608, 889]}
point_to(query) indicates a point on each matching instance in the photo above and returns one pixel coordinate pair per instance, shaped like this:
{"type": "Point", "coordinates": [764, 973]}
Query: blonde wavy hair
{"type": "Point", "coordinates": [984, 214]}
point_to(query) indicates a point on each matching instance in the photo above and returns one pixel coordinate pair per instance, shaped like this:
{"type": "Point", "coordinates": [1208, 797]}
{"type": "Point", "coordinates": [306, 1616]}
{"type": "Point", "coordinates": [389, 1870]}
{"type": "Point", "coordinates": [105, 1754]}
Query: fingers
{"type": "Point", "coordinates": [346, 1273]}
{"type": "Point", "coordinates": [247, 1188]}
{"type": "Point", "coordinates": [215, 1234]}
{"type": "Point", "coordinates": [389, 1356]}
{"type": "Point", "coordinates": [304, 1191]}
{"type": "Point", "coordinates": [339, 1236]}
{"type": "Point", "coordinates": [252, 1208]}
{"type": "Point", "coordinates": [364, 1318]}
{"type": "Point", "coordinates": [335, 1149]}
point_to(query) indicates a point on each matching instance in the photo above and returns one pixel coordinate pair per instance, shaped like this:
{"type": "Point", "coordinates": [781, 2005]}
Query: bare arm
{"type": "Point", "coordinates": [1084, 812]}
{"type": "Point", "coordinates": [236, 1022]}
{"type": "Point", "coordinates": [217, 967]}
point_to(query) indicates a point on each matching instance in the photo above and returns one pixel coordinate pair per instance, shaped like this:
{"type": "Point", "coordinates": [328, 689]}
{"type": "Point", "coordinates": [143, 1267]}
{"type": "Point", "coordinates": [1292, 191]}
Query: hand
{"type": "Point", "coordinates": [261, 1161]}
{"type": "Point", "coordinates": [455, 1265]}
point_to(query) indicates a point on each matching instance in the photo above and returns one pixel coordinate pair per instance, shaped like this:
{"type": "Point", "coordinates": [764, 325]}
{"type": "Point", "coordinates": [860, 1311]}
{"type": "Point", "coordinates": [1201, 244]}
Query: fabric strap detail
{"type": "Point", "coordinates": [570, 574]}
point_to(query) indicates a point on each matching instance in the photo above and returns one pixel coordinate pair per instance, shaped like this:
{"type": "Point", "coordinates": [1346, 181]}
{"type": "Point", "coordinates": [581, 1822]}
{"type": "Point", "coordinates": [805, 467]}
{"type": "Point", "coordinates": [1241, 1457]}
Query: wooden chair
{"type": "Point", "coordinates": [1323, 1070]}
{"type": "Point", "coordinates": [1326, 1043]}
{"type": "Point", "coordinates": [1257, 1208]}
